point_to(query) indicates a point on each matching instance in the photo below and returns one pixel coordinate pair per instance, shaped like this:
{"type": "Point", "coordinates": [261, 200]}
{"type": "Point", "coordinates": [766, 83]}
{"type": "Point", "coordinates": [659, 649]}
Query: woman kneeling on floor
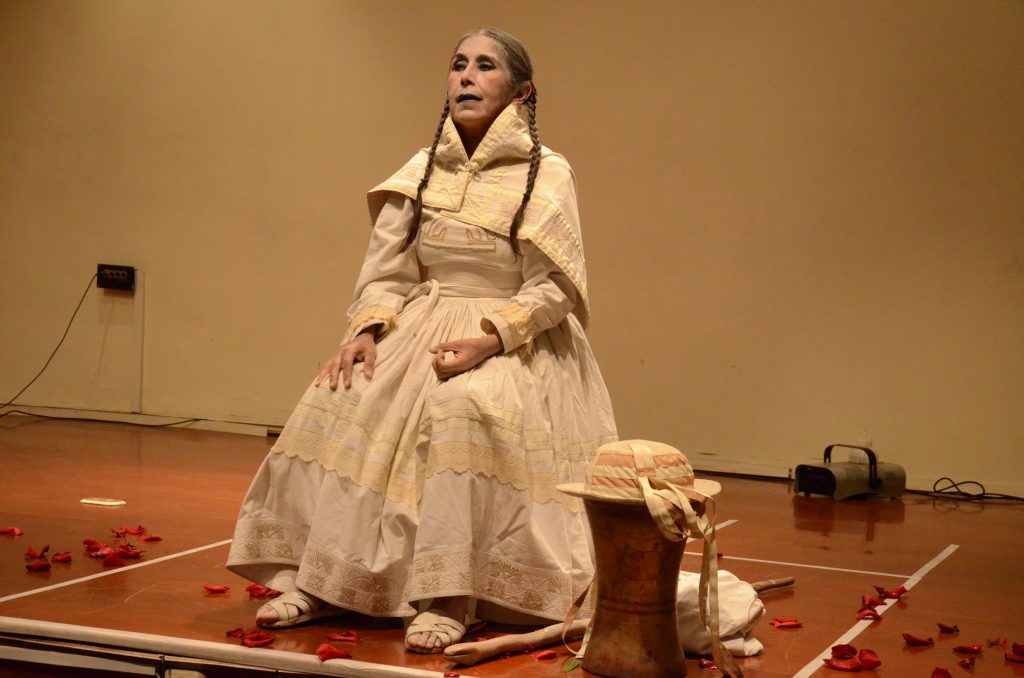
{"type": "Point", "coordinates": [469, 391]}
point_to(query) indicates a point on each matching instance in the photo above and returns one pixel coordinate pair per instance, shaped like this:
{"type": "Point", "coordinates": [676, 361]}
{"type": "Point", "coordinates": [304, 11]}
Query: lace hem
{"type": "Point", "coordinates": [267, 541]}
{"type": "Point", "coordinates": [455, 571]}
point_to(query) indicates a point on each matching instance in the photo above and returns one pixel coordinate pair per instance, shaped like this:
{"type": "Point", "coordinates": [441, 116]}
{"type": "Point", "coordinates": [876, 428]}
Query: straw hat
{"type": "Point", "coordinates": [615, 471]}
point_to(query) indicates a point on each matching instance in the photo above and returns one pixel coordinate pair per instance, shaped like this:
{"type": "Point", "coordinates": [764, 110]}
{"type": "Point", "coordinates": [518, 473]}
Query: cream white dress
{"type": "Point", "coordinates": [405, 487]}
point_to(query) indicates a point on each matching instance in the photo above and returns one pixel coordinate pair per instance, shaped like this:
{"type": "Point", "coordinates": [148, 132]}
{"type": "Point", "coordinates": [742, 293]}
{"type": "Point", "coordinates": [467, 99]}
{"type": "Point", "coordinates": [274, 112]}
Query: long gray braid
{"type": "Point", "coordinates": [417, 208]}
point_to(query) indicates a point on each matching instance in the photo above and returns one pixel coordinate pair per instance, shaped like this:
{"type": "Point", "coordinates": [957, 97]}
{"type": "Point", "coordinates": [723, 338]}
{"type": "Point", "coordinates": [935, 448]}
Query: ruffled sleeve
{"type": "Point", "coordinates": [388, 273]}
{"type": "Point", "coordinates": [545, 299]}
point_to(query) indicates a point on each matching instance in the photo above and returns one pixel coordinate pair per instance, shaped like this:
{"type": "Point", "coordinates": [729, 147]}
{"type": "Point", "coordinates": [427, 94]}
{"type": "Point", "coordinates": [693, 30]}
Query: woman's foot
{"type": "Point", "coordinates": [295, 607]}
{"type": "Point", "coordinates": [440, 626]}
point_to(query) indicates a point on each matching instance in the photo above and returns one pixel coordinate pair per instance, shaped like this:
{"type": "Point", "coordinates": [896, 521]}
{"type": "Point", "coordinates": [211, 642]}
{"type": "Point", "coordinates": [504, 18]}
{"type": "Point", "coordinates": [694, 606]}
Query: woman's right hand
{"type": "Point", "coordinates": [361, 348]}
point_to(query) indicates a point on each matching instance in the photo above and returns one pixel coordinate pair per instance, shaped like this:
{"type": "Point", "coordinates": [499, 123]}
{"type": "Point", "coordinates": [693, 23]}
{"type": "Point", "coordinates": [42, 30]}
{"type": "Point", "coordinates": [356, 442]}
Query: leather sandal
{"type": "Point", "coordinates": [435, 621]}
{"type": "Point", "coordinates": [295, 607]}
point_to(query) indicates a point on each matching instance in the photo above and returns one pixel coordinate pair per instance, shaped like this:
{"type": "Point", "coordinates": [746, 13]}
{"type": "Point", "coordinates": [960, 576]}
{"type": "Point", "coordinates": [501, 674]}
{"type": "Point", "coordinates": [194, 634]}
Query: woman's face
{"type": "Point", "coordinates": [479, 86]}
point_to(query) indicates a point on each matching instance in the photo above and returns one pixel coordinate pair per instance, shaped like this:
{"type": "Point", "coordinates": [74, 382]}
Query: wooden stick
{"type": "Point", "coordinates": [471, 653]}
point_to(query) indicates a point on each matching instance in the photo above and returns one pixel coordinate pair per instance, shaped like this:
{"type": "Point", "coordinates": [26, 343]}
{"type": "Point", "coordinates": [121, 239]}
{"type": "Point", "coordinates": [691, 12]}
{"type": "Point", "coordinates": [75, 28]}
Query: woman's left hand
{"type": "Point", "coordinates": [455, 357]}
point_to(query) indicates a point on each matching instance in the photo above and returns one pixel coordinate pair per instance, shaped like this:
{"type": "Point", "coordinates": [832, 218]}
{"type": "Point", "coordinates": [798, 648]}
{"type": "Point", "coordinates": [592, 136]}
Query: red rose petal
{"type": "Point", "coordinates": [91, 542]}
{"type": "Point", "coordinates": [344, 637]}
{"type": "Point", "coordinates": [113, 560]}
{"type": "Point", "coordinates": [260, 591]}
{"type": "Point", "coordinates": [94, 546]}
{"type": "Point", "coordinates": [843, 651]}
{"type": "Point", "coordinates": [214, 588]}
{"type": "Point", "coordinates": [257, 639]}
{"type": "Point", "coordinates": [943, 628]}
{"type": "Point", "coordinates": [707, 664]}
{"type": "Point", "coordinates": [1018, 648]}
{"type": "Point", "coordinates": [868, 613]}
{"type": "Point", "coordinates": [128, 551]}
{"type": "Point", "coordinates": [12, 531]}
{"type": "Point", "coordinates": [897, 592]}
{"type": "Point", "coordinates": [119, 532]}
{"type": "Point", "coordinates": [236, 633]}
{"type": "Point", "coordinates": [967, 662]}
{"type": "Point", "coordinates": [996, 642]}
{"type": "Point", "coordinates": [914, 641]}
{"type": "Point", "coordinates": [869, 661]}
{"type": "Point", "coordinates": [101, 552]}
{"type": "Point", "coordinates": [35, 555]}
{"type": "Point", "coordinates": [780, 623]}
{"type": "Point", "coordinates": [64, 557]}
{"type": "Point", "coordinates": [141, 529]}
{"type": "Point", "coordinates": [152, 537]}
{"type": "Point", "coordinates": [326, 652]}
{"type": "Point", "coordinates": [852, 664]}
{"type": "Point", "coordinates": [967, 649]}
{"type": "Point", "coordinates": [869, 601]}
{"type": "Point", "coordinates": [38, 566]}
{"type": "Point", "coordinates": [546, 654]}
{"type": "Point", "coordinates": [1014, 657]}
{"type": "Point", "coordinates": [941, 673]}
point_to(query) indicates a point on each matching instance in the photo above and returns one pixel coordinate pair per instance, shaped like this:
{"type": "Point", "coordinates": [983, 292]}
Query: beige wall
{"type": "Point", "coordinates": [804, 220]}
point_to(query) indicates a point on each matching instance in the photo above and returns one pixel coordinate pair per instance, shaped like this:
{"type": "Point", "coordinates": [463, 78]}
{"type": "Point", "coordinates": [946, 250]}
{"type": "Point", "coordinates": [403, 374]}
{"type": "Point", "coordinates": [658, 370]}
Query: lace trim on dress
{"type": "Point", "coordinates": [268, 541]}
{"type": "Point", "coordinates": [516, 329]}
{"type": "Point", "coordinates": [385, 316]}
{"type": "Point", "coordinates": [455, 571]}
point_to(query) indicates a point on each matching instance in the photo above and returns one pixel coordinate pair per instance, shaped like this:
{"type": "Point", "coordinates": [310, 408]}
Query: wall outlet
{"type": "Point", "coordinates": [114, 277]}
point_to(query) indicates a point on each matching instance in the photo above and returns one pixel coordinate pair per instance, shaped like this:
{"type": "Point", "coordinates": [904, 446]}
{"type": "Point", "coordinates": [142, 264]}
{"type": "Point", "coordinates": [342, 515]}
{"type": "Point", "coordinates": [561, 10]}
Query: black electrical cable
{"type": "Point", "coordinates": [50, 359]}
{"type": "Point", "coordinates": [59, 344]}
{"type": "Point", "coordinates": [947, 488]}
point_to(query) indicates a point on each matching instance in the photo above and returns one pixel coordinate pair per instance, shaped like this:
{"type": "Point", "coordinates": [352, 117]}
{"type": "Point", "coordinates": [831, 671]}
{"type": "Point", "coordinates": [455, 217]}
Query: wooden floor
{"type": "Point", "coordinates": [964, 562]}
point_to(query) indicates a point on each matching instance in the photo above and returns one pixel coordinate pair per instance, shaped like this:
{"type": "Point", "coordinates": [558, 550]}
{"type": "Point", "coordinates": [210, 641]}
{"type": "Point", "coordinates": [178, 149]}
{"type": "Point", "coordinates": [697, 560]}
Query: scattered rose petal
{"type": "Point", "coordinates": [869, 601]}
{"type": "Point", "coordinates": [843, 651]}
{"type": "Point", "coordinates": [780, 623]}
{"type": "Point", "coordinates": [152, 537]}
{"type": "Point", "coordinates": [476, 628]}
{"type": "Point", "coordinates": [94, 546]}
{"type": "Point", "coordinates": [869, 661]}
{"type": "Point", "coordinates": [868, 613]}
{"type": "Point", "coordinates": [895, 593]}
{"type": "Point", "coordinates": [943, 628]}
{"type": "Point", "coordinates": [914, 641]}
{"type": "Point", "coordinates": [36, 555]}
{"type": "Point", "coordinates": [38, 566]}
{"type": "Point", "coordinates": [344, 637]}
{"type": "Point", "coordinates": [64, 557]}
{"type": "Point", "coordinates": [1018, 648]}
{"type": "Point", "coordinates": [128, 551]}
{"type": "Point", "coordinates": [941, 673]}
{"type": "Point", "coordinates": [260, 591]}
{"type": "Point", "coordinates": [967, 662]}
{"type": "Point", "coordinates": [119, 532]}
{"type": "Point", "coordinates": [1014, 657]}
{"type": "Point", "coordinates": [707, 664]}
{"type": "Point", "coordinates": [214, 588]}
{"type": "Point", "coordinates": [101, 552]}
{"type": "Point", "coordinates": [236, 633]}
{"type": "Point", "coordinates": [852, 664]}
{"type": "Point", "coordinates": [90, 542]}
{"type": "Point", "coordinates": [113, 560]}
{"type": "Point", "coordinates": [996, 642]}
{"type": "Point", "coordinates": [967, 649]}
{"type": "Point", "coordinates": [12, 531]}
{"type": "Point", "coordinates": [326, 652]}
{"type": "Point", "coordinates": [141, 529]}
{"type": "Point", "coordinates": [257, 639]}
{"type": "Point", "coordinates": [546, 654]}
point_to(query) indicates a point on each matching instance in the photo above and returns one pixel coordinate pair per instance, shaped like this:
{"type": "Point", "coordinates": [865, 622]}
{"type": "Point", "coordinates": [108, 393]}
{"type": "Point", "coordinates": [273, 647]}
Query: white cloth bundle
{"type": "Point", "coordinates": [739, 610]}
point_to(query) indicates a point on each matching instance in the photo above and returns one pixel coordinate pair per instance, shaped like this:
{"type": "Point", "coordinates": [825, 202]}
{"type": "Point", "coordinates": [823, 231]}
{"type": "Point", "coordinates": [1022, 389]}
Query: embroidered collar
{"type": "Point", "coordinates": [508, 138]}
